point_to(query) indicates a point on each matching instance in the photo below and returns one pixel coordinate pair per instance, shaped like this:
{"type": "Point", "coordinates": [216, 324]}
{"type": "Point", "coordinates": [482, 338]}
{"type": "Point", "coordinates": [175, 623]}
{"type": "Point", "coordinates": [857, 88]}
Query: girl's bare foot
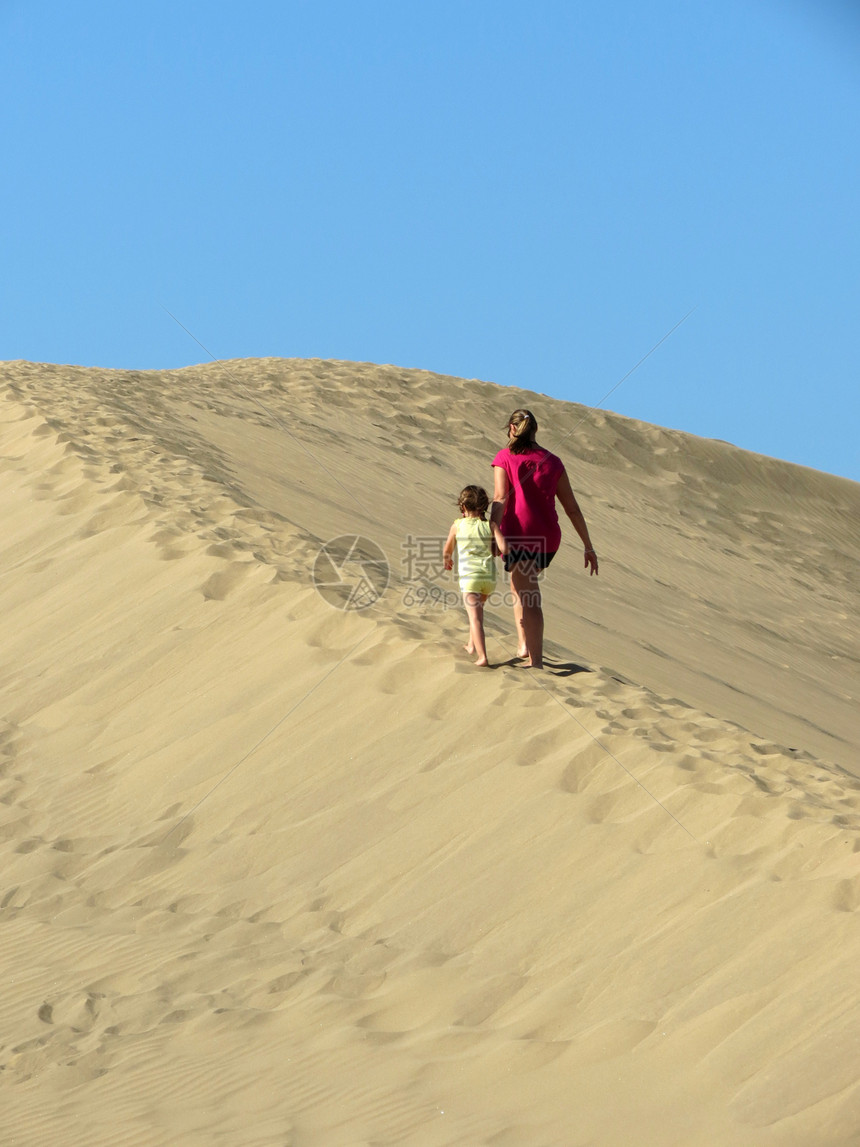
{"type": "Point", "coordinates": [522, 652]}
{"type": "Point", "coordinates": [482, 661]}
{"type": "Point", "coordinates": [469, 648]}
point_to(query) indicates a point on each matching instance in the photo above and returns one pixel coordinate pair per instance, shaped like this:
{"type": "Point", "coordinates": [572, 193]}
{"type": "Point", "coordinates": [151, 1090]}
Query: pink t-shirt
{"type": "Point", "coordinates": [530, 520]}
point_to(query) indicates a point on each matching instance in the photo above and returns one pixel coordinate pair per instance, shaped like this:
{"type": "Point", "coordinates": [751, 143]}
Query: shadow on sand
{"type": "Point", "coordinates": [563, 668]}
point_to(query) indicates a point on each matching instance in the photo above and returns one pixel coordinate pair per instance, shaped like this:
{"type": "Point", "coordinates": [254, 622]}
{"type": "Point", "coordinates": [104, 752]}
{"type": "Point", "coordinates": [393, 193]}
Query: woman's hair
{"type": "Point", "coordinates": [522, 428]}
{"type": "Point", "coordinates": [474, 499]}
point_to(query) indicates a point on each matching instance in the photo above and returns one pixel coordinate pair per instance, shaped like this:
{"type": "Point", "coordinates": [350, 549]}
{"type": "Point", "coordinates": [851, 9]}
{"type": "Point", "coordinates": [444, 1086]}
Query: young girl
{"type": "Point", "coordinates": [476, 566]}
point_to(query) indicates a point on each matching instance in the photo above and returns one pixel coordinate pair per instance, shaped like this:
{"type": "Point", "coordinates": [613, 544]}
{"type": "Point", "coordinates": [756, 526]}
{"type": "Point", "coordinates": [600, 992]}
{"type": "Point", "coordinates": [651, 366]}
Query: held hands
{"type": "Point", "coordinates": [591, 562]}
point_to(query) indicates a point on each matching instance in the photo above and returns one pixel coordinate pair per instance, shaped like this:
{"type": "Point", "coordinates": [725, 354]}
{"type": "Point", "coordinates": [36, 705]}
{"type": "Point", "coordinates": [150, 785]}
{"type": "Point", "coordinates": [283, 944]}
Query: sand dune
{"type": "Point", "coordinates": [282, 874]}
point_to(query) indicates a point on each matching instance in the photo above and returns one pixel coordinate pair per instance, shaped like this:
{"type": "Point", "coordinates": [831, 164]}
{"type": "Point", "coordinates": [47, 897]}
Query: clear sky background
{"type": "Point", "coordinates": [532, 193]}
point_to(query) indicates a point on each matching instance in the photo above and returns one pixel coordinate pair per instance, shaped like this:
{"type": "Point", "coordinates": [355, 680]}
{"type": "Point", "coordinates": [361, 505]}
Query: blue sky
{"type": "Point", "coordinates": [529, 193]}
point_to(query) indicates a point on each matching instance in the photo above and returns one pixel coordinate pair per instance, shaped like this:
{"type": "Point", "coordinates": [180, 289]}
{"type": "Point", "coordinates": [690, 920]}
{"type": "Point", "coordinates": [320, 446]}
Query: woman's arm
{"type": "Point", "coordinates": [569, 504]}
{"type": "Point", "coordinates": [501, 490]}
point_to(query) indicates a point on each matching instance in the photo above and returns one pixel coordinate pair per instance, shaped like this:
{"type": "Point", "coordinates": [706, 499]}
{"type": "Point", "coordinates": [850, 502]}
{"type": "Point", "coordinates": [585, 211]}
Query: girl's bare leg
{"type": "Point", "coordinates": [474, 603]}
{"type": "Point", "coordinates": [528, 613]}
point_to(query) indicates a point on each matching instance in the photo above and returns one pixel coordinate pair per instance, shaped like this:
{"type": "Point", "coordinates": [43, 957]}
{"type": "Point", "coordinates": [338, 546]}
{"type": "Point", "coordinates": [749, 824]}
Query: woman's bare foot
{"type": "Point", "coordinates": [535, 665]}
{"type": "Point", "coordinates": [482, 661]}
{"type": "Point", "coordinates": [470, 649]}
{"type": "Point", "coordinates": [522, 652]}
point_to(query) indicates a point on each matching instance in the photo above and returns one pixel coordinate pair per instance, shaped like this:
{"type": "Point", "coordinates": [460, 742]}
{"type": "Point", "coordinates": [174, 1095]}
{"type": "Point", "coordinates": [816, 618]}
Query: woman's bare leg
{"type": "Point", "coordinates": [528, 613]}
{"type": "Point", "coordinates": [474, 603]}
{"type": "Point", "coordinates": [522, 648]}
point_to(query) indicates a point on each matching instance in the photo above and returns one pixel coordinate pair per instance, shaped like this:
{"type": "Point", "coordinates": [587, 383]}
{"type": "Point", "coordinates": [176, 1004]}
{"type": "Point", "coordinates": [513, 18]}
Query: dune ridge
{"type": "Point", "coordinates": [280, 873]}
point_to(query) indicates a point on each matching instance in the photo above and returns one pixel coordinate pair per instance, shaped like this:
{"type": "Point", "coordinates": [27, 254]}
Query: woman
{"type": "Point", "coordinates": [528, 479]}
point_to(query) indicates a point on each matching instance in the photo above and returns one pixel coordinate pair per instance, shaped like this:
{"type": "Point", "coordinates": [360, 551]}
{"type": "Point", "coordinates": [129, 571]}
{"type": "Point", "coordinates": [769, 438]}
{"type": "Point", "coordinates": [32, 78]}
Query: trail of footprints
{"type": "Point", "coordinates": [696, 758]}
{"type": "Point", "coordinates": [186, 496]}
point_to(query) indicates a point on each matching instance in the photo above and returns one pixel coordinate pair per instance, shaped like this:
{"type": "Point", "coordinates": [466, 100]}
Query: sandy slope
{"type": "Point", "coordinates": [278, 874]}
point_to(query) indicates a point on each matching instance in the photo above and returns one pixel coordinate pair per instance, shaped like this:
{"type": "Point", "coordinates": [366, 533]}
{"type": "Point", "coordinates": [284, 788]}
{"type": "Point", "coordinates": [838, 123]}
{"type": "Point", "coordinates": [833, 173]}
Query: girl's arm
{"type": "Point", "coordinates": [501, 540]}
{"type": "Point", "coordinates": [569, 504]}
{"type": "Point", "coordinates": [448, 551]}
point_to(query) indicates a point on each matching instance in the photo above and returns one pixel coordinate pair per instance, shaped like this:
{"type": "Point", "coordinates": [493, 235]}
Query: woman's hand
{"type": "Point", "coordinates": [591, 562]}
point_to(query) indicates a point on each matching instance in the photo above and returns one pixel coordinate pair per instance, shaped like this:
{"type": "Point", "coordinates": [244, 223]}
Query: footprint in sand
{"type": "Point", "coordinates": [219, 585]}
{"type": "Point", "coordinates": [847, 895]}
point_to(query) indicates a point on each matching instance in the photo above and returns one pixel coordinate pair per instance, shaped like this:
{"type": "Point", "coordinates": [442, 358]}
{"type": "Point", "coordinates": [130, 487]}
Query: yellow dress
{"type": "Point", "coordinates": [476, 566]}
